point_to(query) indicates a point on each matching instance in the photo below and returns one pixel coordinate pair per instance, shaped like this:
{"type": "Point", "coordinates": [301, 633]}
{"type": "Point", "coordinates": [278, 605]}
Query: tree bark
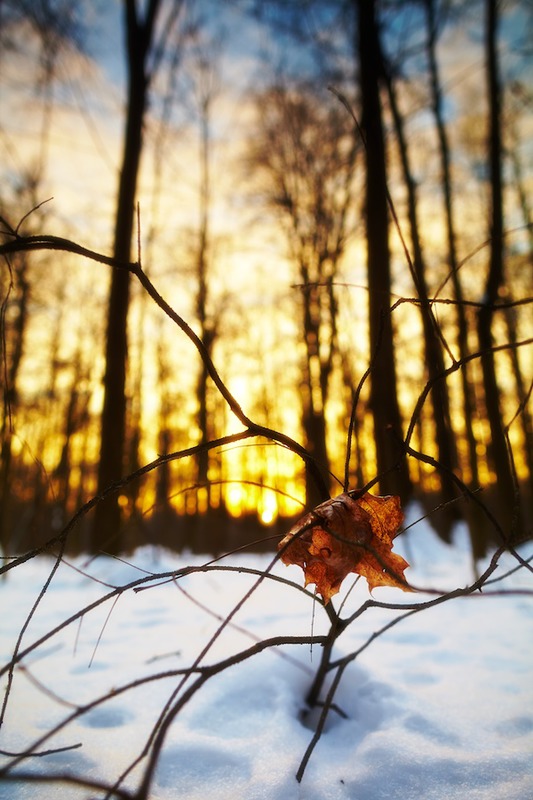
{"type": "Point", "coordinates": [315, 384]}
{"type": "Point", "coordinates": [14, 340]}
{"type": "Point", "coordinates": [446, 449]}
{"type": "Point", "coordinates": [207, 325]}
{"type": "Point", "coordinates": [391, 461]}
{"type": "Point", "coordinates": [497, 448]}
{"type": "Point", "coordinates": [462, 324]}
{"type": "Point", "coordinates": [106, 533]}
{"type": "Point", "coordinates": [522, 390]}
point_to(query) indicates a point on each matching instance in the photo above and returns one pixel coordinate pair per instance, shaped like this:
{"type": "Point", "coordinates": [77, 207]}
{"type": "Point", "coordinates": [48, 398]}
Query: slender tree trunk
{"type": "Point", "coordinates": [207, 328]}
{"type": "Point", "coordinates": [315, 381]}
{"type": "Point", "coordinates": [511, 317]}
{"type": "Point", "coordinates": [75, 417]}
{"type": "Point", "coordinates": [106, 533]}
{"type": "Point", "coordinates": [391, 461]}
{"type": "Point", "coordinates": [520, 184]}
{"type": "Point", "coordinates": [446, 450]}
{"type": "Point", "coordinates": [11, 363]}
{"type": "Point", "coordinates": [497, 449]}
{"type": "Point", "coordinates": [447, 453]}
{"type": "Point", "coordinates": [462, 334]}
{"type": "Point", "coordinates": [525, 421]}
{"type": "Point", "coordinates": [165, 442]}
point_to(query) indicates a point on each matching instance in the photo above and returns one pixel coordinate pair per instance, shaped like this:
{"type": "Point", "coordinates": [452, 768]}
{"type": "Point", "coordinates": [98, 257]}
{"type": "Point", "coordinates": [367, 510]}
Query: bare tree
{"type": "Point", "coordinates": [206, 88]}
{"type": "Point", "coordinates": [498, 446]}
{"type": "Point", "coordinates": [434, 342]}
{"type": "Point", "coordinates": [306, 153]}
{"type": "Point", "coordinates": [432, 23]}
{"type": "Point", "coordinates": [147, 36]}
{"type": "Point", "coordinates": [13, 327]}
{"type": "Point", "coordinates": [54, 28]}
{"type": "Point", "coordinates": [520, 100]}
{"type": "Point", "coordinates": [391, 462]}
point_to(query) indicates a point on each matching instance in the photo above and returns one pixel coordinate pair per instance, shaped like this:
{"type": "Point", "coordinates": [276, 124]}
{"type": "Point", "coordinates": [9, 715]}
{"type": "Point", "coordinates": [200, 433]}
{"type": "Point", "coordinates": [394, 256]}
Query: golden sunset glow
{"type": "Point", "coordinates": [256, 311]}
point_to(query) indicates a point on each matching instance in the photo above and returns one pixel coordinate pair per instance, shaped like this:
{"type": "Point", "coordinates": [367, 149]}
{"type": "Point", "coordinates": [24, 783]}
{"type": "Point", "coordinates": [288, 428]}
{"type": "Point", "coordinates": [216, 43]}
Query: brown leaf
{"type": "Point", "coordinates": [346, 535]}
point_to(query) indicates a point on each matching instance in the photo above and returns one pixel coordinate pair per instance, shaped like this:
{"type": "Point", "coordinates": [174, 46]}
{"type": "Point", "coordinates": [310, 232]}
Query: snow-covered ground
{"type": "Point", "coordinates": [438, 707]}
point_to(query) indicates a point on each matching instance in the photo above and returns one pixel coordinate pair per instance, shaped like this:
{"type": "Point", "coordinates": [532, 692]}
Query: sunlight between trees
{"type": "Point", "coordinates": [353, 261]}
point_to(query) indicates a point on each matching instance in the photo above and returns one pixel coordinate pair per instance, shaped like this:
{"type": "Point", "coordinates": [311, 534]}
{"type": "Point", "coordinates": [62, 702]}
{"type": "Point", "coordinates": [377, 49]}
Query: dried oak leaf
{"type": "Point", "coordinates": [346, 535]}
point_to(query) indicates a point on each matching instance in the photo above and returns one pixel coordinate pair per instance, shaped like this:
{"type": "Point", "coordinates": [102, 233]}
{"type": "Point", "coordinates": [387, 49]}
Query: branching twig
{"type": "Point", "coordinates": [193, 677]}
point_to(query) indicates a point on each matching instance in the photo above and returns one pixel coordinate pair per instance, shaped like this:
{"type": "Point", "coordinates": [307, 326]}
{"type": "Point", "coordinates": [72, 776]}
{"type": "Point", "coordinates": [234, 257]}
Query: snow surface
{"type": "Point", "coordinates": [438, 707]}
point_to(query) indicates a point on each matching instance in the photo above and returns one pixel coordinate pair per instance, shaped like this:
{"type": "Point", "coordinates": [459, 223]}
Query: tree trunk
{"type": "Point", "coordinates": [315, 381]}
{"type": "Point", "coordinates": [75, 417]}
{"type": "Point", "coordinates": [391, 462]}
{"type": "Point", "coordinates": [106, 533]}
{"type": "Point", "coordinates": [165, 441]}
{"type": "Point", "coordinates": [525, 421]}
{"type": "Point", "coordinates": [11, 363]}
{"type": "Point", "coordinates": [446, 450]}
{"type": "Point", "coordinates": [497, 449]}
{"type": "Point", "coordinates": [207, 327]}
{"type": "Point", "coordinates": [462, 334]}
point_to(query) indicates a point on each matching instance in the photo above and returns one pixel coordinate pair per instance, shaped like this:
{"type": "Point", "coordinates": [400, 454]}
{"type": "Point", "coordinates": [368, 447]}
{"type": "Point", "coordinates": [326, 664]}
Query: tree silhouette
{"type": "Point", "coordinates": [391, 461]}
{"type": "Point", "coordinates": [498, 446]}
{"type": "Point", "coordinates": [144, 49]}
{"type": "Point", "coordinates": [305, 153]}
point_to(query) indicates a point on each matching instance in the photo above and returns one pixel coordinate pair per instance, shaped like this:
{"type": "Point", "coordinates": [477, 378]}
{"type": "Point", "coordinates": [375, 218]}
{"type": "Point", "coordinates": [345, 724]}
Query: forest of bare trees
{"type": "Point", "coordinates": [338, 215]}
